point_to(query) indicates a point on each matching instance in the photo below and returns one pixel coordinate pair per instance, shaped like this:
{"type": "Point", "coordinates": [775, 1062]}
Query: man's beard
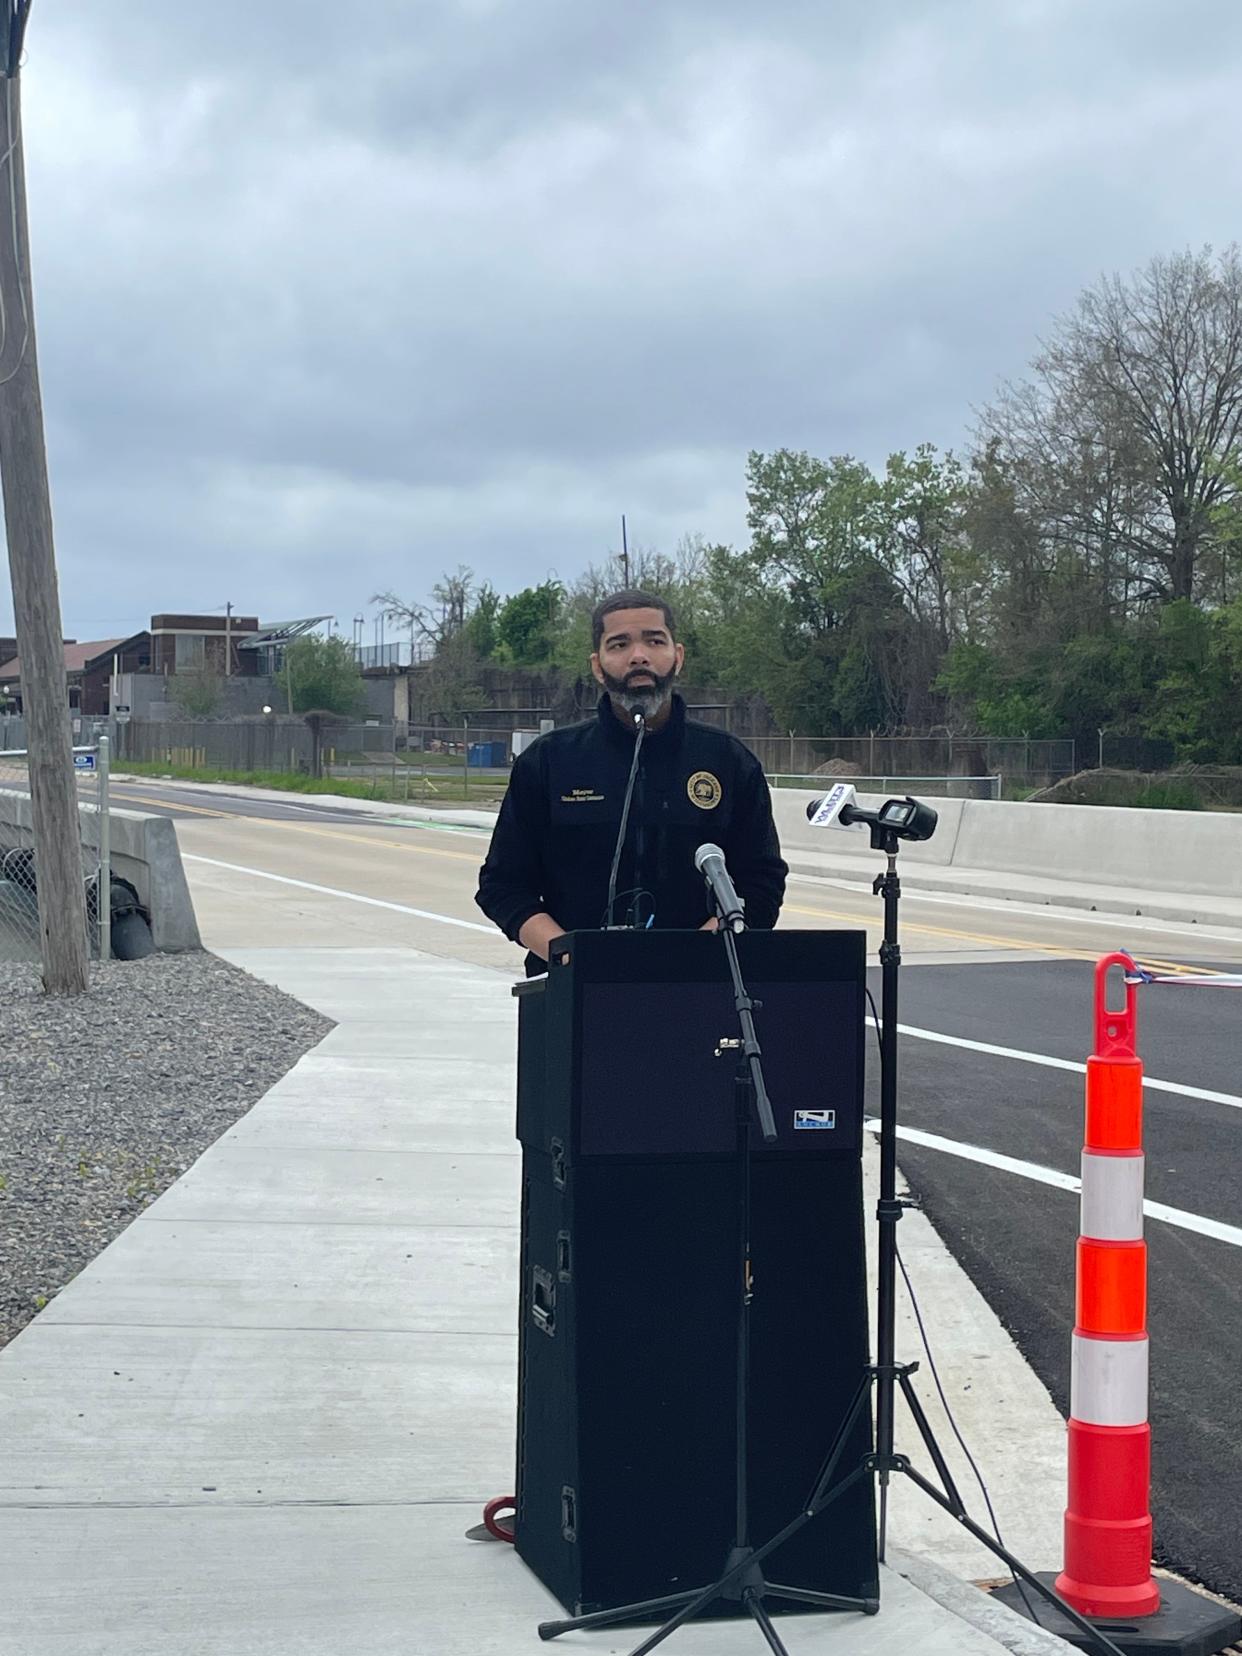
{"type": "Point", "coordinates": [647, 697]}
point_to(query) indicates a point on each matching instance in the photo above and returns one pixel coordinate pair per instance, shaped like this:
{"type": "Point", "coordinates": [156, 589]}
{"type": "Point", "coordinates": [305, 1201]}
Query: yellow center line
{"type": "Point", "coordinates": [360, 839]}
{"type": "Point", "coordinates": [989, 940]}
{"type": "Point", "coordinates": [1025, 945]}
{"type": "Point", "coordinates": [169, 805]}
{"type": "Point", "coordinates": [947, 931]}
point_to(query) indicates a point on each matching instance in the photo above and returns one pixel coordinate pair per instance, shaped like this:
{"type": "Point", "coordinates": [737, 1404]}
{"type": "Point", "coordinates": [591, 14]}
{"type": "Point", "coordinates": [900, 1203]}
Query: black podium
{"type": "Point", "coordinates": [627, 1058]}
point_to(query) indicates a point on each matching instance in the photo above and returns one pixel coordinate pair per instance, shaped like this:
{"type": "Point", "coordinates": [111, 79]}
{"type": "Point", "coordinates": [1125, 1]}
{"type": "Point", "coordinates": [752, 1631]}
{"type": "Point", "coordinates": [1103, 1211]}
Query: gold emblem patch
{"type": "Point", "coordinates": [704, 790]}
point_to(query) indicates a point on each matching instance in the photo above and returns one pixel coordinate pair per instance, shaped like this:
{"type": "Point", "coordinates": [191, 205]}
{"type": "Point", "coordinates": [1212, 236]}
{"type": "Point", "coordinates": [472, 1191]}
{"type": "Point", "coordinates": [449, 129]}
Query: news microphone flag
{"type": "Point", "coordinates": [825, 812]}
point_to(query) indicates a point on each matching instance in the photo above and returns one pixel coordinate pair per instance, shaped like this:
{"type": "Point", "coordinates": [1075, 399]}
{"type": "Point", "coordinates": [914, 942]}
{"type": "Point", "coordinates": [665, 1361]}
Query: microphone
{"type": "Point", "coordinates": [710, 862]}
{"type": "Point", "coordinates": [640, 730]}
{"type": "Point", "coordinates": [836, 809]}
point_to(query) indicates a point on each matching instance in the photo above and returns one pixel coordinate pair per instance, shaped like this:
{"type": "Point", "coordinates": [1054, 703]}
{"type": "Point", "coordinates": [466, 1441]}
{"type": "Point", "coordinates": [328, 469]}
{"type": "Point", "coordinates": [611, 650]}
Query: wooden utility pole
{"type": "Point", "coordinates": [32, 563]}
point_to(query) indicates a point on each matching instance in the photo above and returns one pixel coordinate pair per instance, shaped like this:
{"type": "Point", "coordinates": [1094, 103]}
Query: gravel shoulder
{"type": "Point", "coordinates": [107, 1098]}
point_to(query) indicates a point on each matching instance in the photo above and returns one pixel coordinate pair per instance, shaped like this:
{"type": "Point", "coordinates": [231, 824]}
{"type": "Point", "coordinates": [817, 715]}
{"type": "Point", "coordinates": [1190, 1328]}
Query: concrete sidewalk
{"type": "Point", "coordinates": [262, 1420]}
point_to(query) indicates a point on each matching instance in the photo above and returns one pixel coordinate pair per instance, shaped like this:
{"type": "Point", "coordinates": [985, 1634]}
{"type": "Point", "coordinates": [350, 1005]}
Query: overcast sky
{"type": "Point", "coordinates": [333, 298]}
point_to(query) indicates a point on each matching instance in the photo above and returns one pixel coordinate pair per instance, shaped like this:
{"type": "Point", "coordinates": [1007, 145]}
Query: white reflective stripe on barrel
{"type": "Point", "coordinates": [1108, 1381]}
{"type": "Point", "coordinates": [1112, 1197]}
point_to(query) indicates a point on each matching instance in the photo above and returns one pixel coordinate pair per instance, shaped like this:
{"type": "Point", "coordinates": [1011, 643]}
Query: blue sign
{"type": "Point", "coordinates": [815, 1120]}
{"type": "Point", "coordinates": [84, 761]}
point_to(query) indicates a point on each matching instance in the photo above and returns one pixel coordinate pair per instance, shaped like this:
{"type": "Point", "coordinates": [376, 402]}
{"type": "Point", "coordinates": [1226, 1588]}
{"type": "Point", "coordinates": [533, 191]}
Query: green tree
{"type": "Point", "coordinates": [856, 573]}
{"type": "Point", "coordinates": [1193, 701]}
{"type": "Point", "coordinates": [811, 528]}
{"type": "Point", "coordinates": [921, 536]}
{"type": "Point", "coordinates": [681, 579]}
{"type": "Point", "coordinates": [751, 641]}
{"type": "Point", "coordinates": [991, 693]}
{"type": "Point", "coordinates": [480, 627]}
{"type": "Point", "coordinates": [321, 673]}
{"type": "Point", "coordinates": [1226, 657]}
{"type": "Point", "coordinates": [526, 624]}
{"type": "Point", "coordinates": [1101, 679]}
{"type": "Point", "coordinates": [876, 647]}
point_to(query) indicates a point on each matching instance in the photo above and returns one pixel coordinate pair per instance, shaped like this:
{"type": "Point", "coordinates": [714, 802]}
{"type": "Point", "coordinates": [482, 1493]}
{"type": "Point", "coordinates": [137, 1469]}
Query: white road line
{"type": "Point", "coordinates": [913, 1135]}
{"type": "Point", "coordinates": [1204, 1093]}
{"type": "Point", "coordinates": [1214, 1228]}
{"type": "Point", "coordinates": [350, 896]}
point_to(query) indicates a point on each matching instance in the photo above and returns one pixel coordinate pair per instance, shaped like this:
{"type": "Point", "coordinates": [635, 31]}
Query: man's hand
{"type": "Point", "coordinates": [539, 933]}
{"type": "Point", "coordinates": [711, 925]}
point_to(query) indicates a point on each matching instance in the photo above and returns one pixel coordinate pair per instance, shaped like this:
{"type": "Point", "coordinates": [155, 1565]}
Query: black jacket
{"type": "Point", "coordinates": [553, 842]}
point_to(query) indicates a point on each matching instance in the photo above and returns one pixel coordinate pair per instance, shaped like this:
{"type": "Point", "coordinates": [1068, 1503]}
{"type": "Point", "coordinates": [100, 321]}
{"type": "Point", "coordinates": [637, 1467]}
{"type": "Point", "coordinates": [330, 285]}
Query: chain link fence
{"type": "Point", "coordinates": [426, 762]}
{"type": "Point", "coordinates": [245, 746]}
{"type": "Point", "coordinates": [416, 761]}
{"type": "Point", "coordinates": [19, 884]}
{"type": "Point", "coordinates": [929, 787]}
{"type": "Point", "coordinates": [389, 761]}
{"type": "Point", "coordinates": [903, 758]}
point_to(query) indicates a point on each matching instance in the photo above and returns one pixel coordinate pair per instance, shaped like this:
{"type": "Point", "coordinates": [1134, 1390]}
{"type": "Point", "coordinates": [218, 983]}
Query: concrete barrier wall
{"type": "Point", "coordinates": [144, 852]}
{"type": "Point", "coordinates": [1169, 850]}
{"type": "Point", "coordinates": [1191, 851]}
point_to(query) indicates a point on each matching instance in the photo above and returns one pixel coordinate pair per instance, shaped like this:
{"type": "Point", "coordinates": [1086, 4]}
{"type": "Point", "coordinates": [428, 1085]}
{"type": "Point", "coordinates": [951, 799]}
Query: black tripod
{"type": "Point", "coordinates": [886, 1374]}
{"type": "Point", "coordinates": [742, 1579]}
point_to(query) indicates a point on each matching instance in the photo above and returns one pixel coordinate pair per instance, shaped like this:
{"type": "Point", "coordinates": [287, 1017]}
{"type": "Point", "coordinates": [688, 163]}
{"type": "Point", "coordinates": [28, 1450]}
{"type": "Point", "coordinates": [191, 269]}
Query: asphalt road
{"type": "Point", "coordinates": [1000, 975]}
{"type": "Point", "coordinates": [1016, 1237]}
{"type": "Point", "coordinates": [167, 799]}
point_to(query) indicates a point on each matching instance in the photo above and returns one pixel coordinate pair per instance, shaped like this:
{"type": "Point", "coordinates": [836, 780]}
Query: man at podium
{"type": "Point", "coordinates": [558, 860]}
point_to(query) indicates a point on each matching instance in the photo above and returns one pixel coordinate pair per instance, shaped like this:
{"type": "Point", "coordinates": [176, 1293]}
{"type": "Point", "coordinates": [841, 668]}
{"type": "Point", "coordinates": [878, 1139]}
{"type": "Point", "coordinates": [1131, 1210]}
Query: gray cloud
{"type": "Point", "coordinates": [333, 298]}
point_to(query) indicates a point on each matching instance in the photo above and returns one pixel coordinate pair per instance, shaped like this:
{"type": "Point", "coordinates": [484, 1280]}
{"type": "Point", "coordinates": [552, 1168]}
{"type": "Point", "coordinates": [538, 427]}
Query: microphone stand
{"type": "Point", "coordinates": [886, 1375]}
{"type": "Point", "coordinates": [640, 730]}
{"type": "Point", "coordinates": [742, 1580]}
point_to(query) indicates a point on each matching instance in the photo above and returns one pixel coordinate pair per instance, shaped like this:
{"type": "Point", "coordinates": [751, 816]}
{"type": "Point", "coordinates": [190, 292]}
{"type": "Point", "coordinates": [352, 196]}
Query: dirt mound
{"type": "Point", "coordinates": [1186, 788]}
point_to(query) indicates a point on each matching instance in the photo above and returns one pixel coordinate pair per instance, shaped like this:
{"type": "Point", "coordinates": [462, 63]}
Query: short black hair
{"type": "Point", "coordinates": [634, 598]}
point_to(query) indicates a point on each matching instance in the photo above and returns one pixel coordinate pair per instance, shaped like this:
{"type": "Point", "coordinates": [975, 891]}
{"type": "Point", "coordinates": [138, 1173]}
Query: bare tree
{"type": "Point", "coordinates": [1128, 436]}
{"type": "Point", "coordinates": [198, 695]}
{"type": "Point", "coordinates": [437, 620]}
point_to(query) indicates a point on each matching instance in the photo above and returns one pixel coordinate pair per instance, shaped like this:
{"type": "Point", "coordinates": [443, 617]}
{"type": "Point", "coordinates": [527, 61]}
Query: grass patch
{"type": "Point", "coordinates": [412, 788]}
{"type": "Point", "coordinates": [1168, 796]}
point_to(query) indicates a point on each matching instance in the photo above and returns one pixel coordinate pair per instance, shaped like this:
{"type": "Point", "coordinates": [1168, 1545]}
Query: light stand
{"type": "Point", "coordinates": [742, 1581]}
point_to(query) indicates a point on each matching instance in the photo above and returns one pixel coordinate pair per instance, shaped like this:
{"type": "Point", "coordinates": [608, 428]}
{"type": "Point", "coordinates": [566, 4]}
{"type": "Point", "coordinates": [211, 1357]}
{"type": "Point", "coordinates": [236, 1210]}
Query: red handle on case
{"type": "Point", "coordinates": [492, 1517]}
